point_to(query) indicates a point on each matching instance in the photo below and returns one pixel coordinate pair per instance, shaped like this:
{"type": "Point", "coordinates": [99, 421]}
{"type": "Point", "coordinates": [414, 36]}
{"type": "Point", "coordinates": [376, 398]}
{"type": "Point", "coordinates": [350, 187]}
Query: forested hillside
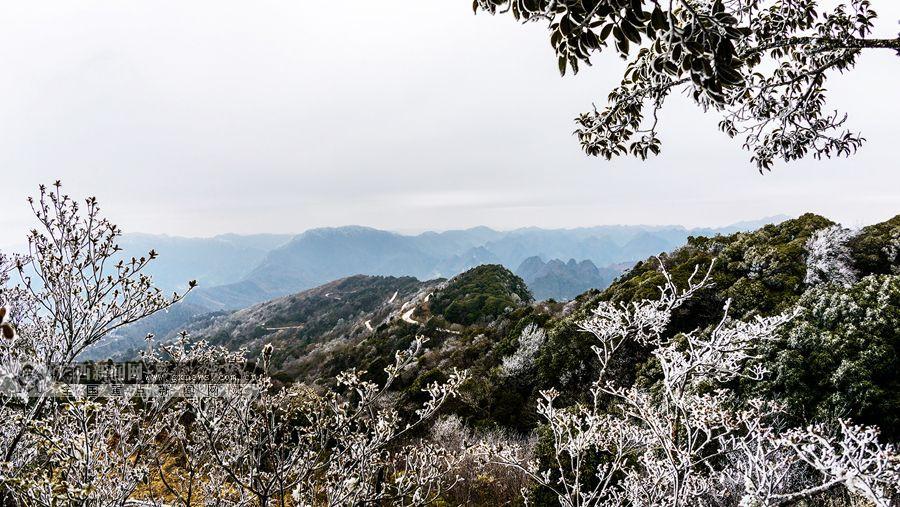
{"type": "Point", "coordinates": [359, 266]}
{"type": "Point", "coordinates": [236, 271]}
{"type": "Point", "coordinates": [840, 355]}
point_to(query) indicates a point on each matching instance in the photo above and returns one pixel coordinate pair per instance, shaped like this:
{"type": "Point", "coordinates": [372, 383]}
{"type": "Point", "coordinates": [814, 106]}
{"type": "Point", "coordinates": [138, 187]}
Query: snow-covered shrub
{"type": "Point", "coordinates": [892, 250]}
{"type": "Point", "coordinates": [481, 483]}
{"type": "Point", "coordinates": [75, 289]}
{"type": "Point", "coordinates": [828, 257]}
{"type": "Point", "coordinates": [530, 342]}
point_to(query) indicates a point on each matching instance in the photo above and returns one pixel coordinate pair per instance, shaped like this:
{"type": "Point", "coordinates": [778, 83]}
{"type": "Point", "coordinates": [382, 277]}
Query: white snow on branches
{"type": "Point", "coordinates": [892, 250]}
{"type": "Point", "coordinates": [828, 257]}
{"type": "Point", "coordinates": [530, 342]}
{"type": "Point", "coordinates": [686, 440]}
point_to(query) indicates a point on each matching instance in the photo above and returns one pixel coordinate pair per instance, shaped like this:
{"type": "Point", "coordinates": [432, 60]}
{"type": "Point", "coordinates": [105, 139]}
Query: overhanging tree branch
{"type": "Point", "coordinates": [742, 59]}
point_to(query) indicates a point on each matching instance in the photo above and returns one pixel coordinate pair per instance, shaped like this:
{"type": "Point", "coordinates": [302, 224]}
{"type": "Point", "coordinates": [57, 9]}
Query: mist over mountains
{"type": "Point", "coordinates": [237, 271]}
{"type": "Point", "coordinates": [215, 261]}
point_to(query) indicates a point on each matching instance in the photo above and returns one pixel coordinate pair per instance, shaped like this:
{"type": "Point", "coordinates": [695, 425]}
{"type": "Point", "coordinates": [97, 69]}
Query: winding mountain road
{"type": "Point", "coordinates": [281, 328]}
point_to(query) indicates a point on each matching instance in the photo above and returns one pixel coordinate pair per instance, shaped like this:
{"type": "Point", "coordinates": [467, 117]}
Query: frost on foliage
{"type": "Point", "coordinates": [828, 257]}
{"type": "Point", "coordinates": [253, 444]}
{"type": "Point", "coordinates": [763, 65]}
{"type": "Point", "coordinates": [892, 250]}
{"type": "Point", "coordinates": [360, 464]}
{"type": "Point", "coordinates": [75, 288]}
{"type": "Point", "coordinates": [498, 483]}
{"type": "Point", "coordinates": [689, 440]}
{"type": "Point", "coordinates": [530, 342]}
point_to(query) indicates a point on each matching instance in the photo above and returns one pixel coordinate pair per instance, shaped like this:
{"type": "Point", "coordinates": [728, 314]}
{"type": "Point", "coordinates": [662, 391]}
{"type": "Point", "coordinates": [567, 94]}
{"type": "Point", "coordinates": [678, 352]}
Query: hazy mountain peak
{"type": "Point", "coordinates": [556, 279]}
{"type": "Point", "coordinates": [344, 230]}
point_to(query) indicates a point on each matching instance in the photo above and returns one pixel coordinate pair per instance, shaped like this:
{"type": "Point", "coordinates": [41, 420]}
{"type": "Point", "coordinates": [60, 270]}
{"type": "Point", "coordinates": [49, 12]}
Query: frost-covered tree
{"type": "Point", "coordinates": [530, 342]}
{"type": "Point", "coordinates": [76, 289]}
{"type": "Point", "coordinates": [828, 258]}
{"type": "Point", "coordinates": [892, 251]}
{"type": "Point", "coordinates": [481, 483]}
{"type": "Point", "coordinates": [263, 446]}
{"type": "Point", "coordinates": [762, 65]}
{"type": "Point", "coordinates": [840, 356]}
{"type": "Point", "coordinates": [689, 440]}
{"type": "Point", "coordinates": [90, 451]}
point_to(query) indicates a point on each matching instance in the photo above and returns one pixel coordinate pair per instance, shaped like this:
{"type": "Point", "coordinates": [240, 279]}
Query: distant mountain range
{"type": "Point", "coordinates": [237, 271]}
{"type": "Point", "coordinates": [213, 261]}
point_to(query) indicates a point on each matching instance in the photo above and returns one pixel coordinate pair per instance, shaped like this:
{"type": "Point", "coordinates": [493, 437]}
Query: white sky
{"type": "Point", "coordinates": [202, 117]}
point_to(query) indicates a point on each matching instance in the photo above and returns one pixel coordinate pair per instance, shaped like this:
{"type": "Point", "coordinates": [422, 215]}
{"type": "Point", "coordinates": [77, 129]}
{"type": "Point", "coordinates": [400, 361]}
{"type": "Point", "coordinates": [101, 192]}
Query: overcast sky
{"type": "Point", "coordinates": [202, 117]}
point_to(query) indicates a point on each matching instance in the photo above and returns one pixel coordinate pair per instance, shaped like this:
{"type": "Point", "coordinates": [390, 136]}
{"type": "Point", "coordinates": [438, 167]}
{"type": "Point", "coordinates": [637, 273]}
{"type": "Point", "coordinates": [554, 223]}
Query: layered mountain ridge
{"type": "Point", "coordinates": [237, 271]}
{"type": "Point", "coordinates": [818, 363]}
{"type": "Point", "coordinates": [560, 280]}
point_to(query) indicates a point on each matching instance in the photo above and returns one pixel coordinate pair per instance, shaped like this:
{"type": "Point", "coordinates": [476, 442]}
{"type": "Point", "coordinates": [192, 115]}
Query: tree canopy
{"type": "Point", "coordinates": [761, 64]}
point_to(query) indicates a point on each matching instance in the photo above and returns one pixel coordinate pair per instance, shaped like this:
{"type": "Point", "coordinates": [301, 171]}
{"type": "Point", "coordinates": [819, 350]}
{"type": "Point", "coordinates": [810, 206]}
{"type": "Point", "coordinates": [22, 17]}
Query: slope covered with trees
{"type": "Point", "coordinates": [847, 331]}
{"type": "Point", "coordinates": [235, 272]}
{"type": "Point", "coordinates": [831, 353]}
{"type": "Point", "coordinates": [480, 295]}
{"type": "Point", "coordinates": [748, 369]}
{"type": "Point", "coordinates": [296, 325]}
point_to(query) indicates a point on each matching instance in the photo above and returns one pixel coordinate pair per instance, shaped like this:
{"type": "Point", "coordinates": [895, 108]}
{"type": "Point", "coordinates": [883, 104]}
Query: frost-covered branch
{"type": "Point", "coordinates": [530, 342]}
{"type": "Point", "coordinates": [828, 257]}
{"type": "Point", "coordinates": [763, 65]}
